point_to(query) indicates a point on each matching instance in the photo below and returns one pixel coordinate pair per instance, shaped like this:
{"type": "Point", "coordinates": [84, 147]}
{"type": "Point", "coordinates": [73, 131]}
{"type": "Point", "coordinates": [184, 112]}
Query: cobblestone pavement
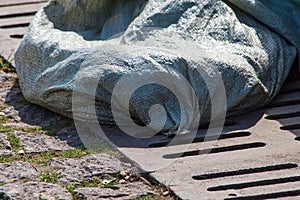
{"type": "Point", "coordinates": [41, 156]}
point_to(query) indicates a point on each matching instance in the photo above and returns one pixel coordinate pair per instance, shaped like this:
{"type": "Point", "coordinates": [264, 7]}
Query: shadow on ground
{"type": "Point", "coordinates": [24, 113]}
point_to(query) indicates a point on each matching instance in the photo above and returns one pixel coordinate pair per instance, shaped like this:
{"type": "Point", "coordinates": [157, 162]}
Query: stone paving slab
{"type": "Point", "coordinates": [5, 147]}
{"type": "Point", "coordinates": [126, 191]}
{"type": "Point", "coordinates": [17, 171]}
{"type": "Point", "coordinates": [37, 143]}
{"type": "Point", "coordinates": [75, 170]}
{"type": "Point", "coordinates": [22, 115]}
{"type": "Point", "coordinates": [33, 191]}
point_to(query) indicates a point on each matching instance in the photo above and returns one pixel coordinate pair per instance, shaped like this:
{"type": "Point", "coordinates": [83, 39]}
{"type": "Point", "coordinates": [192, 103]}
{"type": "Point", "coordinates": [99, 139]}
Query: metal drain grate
{"type": "Point", "coordinates": [257, 156]}
{"type": "Point", "coordinates": [15, 16]}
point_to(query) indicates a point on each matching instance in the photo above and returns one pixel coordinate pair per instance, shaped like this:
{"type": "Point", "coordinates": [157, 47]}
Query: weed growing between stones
{"type": "Point", "coordinates": [6, 65]}
{"type": "Point", "coordinates": [42, 158]}
{"type": "Point", "coordinates": [48, 130]}
{"type": "Point", "coordinates": [50, 176]}
{"type": "Point", "coordinates": [96, 182]}
{"type": "Point", "coordinates": [3, 120]}
{"type": "Point", "coordinates": [151, 198]}
{"type": "Point", "coordinates": [14, 141]}
{"type": "Point", "coordinates": [71, 189]}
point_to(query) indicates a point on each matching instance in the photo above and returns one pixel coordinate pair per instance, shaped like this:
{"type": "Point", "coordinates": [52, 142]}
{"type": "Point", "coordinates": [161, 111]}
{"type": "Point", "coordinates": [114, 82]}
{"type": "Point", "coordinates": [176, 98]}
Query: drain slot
{"type": "Point", "coordinates": [283, 116]}
{"type": "Point", "coordinates": [297, 138]}
{"type": "Point", "coordinates": [246, 171]}
{"type": "Point", "coordinates": [255, 184]}
{"type": "Point", "coordinates": [15, 25]}
{"type": "Point", "coordinates": [202, 139]}
{"type": "Point", "coordinates": [18, 15]}
{"type": "Point", "coordinates": [290, 86]}
{"type": "Point", "coordinates": [291, 193]}
{"type": "Point", "coordinates": [21, 4]}
{"type": "Point", "coordinates": [227, 123]}
{"type": "Point", "coordinates": [290, 127]}
{"type": "Point", "coordinates": [215, 150]}
{"type": "Point", "coordinates": [283, 103]}
{"type": "Point", "coordinates": [17, 36]}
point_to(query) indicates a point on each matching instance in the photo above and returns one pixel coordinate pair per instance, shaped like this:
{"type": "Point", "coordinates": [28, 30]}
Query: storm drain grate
{"type": "Point", "coordinates": [256, 157]}
{"type": "Point", "coordinates": [15, 16]}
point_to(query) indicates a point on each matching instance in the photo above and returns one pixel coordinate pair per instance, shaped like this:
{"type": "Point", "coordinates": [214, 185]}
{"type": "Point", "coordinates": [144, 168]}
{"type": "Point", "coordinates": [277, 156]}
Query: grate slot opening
{"type": "Point", "coordinates": [215, 150]}
{"type": "Point", "coordinates": [290, 87]}
{"type": "Point", "coordinates": [254, 184]}
{"type": "Point", "coordinates": [227, 123]}
{"type": "Point", "coordinates": [17, 36]}
{"type": "Point", "coordinates": [17, 15]}
{"type": "Point", "coordinates": [289, 90]}
{"type": "Point", "coordinates": [202, 139]}
{"type": "Point", "coordinates": [283, 116]}
{"type": "Point", "coordinates": [297, 138]}
{"type": "Point", "coordinates": [291, 193]}
{"type": "Point", "coordinates": [283, 103]}
{"type": "Point", "coordinates": [23, 3]}
{"type": "Point", "coordinates": [246, 171]}
{"type": "Point", "coordinates": [290, 127]}
{"type": "Point", "coordinates": [15, 25]}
